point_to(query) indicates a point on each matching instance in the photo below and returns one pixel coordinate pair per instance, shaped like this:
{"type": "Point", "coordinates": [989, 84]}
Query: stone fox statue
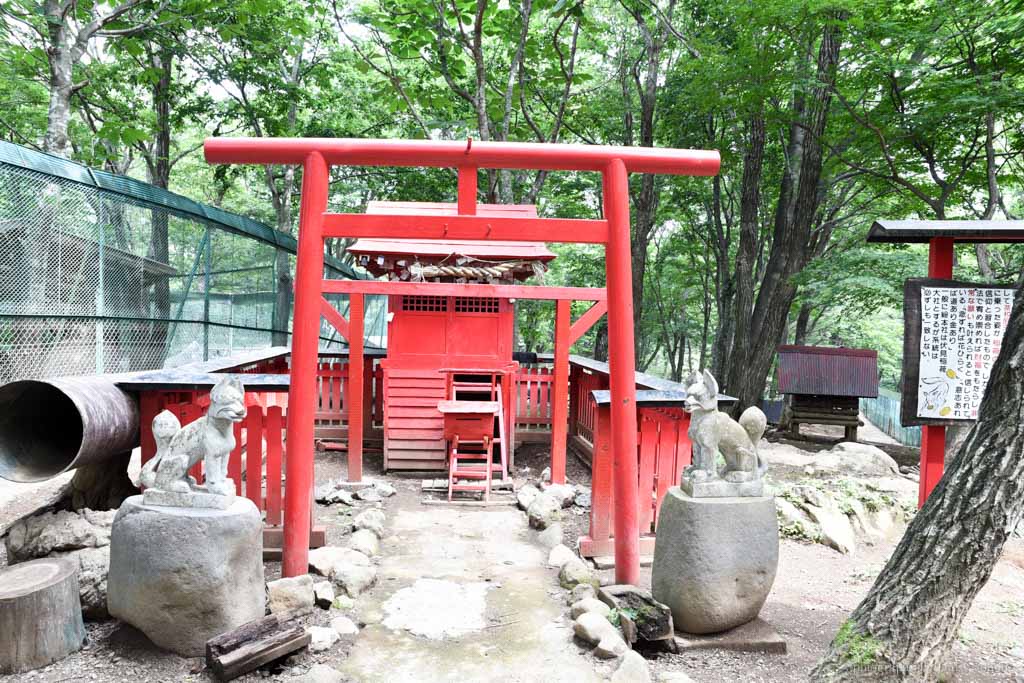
{"type": "Point", "coordinates": [210, 438]}
{"type": "Point", "coordinates": [713, 432]}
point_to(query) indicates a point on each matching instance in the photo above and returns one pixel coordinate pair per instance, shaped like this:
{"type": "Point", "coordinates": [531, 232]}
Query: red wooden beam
{"type": "Point", "coordinates": [933, 437]}
{"type": "Point", "coordinates": [504, 229]}
{"type": "Point", "coordinates": [621, 375]}
{"type": "Point", "coordinates": [467, 190]}
{"type": "Point", "coordinates": [560, 391]}
{"type": "Point", "coordinates": [334, 318]}
{"type": "Point", "coordinates": [309, 269]}
{"type": "Point", "coordinates": [354, 388]}
{"type": "Point", "coordinates": [587, 320]}
{"type": "Point", "coordinates": [456, 289]}
{"type": "Point", "coordinates": [453, 154]}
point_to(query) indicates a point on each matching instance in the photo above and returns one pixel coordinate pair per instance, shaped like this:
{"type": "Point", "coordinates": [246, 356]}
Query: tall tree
{"type": "Point", "coordinates": [64, 30]}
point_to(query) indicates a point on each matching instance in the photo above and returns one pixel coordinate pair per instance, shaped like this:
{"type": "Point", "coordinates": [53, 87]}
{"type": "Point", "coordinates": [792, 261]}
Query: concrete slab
{"type": "Point", "coordinates": [755, 636]}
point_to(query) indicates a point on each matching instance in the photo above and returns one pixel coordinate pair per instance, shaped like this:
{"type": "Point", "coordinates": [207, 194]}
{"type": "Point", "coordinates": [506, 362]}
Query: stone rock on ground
{"type": "Point", "coordinates": [354, 579]}
{"type": "Point", "coordinates": [792, 517]}
{"type": "Point", "coordinates": [544, 511]}
{"type": "Point", "coordinates": [551, 536]}
{"type": "Point", "coordinates": [322, 638]}
{"type": "Point", "coordinates": [581, 592]}
{"type": "Point", "coordinates": [38, 536]}
{"type": "Point", "coordinates": [341, 496]}
{"type": "Point", "coordinates": [563, 493]}
{"type": "Point", "coordinates": [323, 491]}
{"type": "Point", "coordinates": [590, 605]}
{"type": "Point", "coordinates": [559, 555]}
{"type": "Point", "coordinates": [674, 677]}
{"type": "Point", "coordinates": [323, 594]}
{"type": "Point", "coordinates": [525, 496]}
{"type": "Point", "coordinates": [545, 474]}
{"type": "Point", "coordinates": [384, 489]}
{"type": "Point", "coordinates": [858, 458]}
{"type": "Point", "coordinates": [594, 629]}
{"type": "Point", "coordinates": [632, 669]}
{"type": "Point", "coordinates": [365, 542]}
{"type": "Point", "coordinates": [575, 572]}
{"type": "Point", "coordinates": [323, 560]}
{"type": "Point", "coordinates": [183, 576]}
{"type": "Point", "coordinates": [369, 495]}
{"type": "Point", "coordinates": [370, 519]}
{"type": "Point", "coordinates": [344, 626]}
{"type": "Point", "coordinates": [293, 594]}
{"type": "Point", "coordinates": [93, 566]}
{"type": "Point", "coordinates": [343, 602]}
{"type": "Point", "coordinates": [319, 673]}
{"type": "Point", "coordinates": [582, 498]}
{"type": "Point", "coordinates": [836, 530]}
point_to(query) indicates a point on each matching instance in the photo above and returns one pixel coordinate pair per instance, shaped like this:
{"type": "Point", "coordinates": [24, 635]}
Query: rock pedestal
{"type": "Point", "coordinates": [184, 575]}
{"type": "Point", "coordinates": [714, 559]}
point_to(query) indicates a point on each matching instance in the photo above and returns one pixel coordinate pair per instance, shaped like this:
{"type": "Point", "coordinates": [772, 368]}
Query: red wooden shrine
{"type": "Point", "coordinates": [464, 221]}
{"type": "Point", "coordinates": [429, 336]}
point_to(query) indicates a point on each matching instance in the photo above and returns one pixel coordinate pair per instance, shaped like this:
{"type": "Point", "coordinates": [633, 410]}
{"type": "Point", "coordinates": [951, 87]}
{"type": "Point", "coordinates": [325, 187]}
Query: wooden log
{"type": "Point", "coordinates": [40, 614]}
{"type": "Point", "coordinates": [253, 644]}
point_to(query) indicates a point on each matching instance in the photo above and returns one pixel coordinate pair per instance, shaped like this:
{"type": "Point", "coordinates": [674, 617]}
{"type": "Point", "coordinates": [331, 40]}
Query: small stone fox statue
{"type": "Point", "coordinates": [210, 438]}
{"type": "Point", "coordinates": [713, 432]}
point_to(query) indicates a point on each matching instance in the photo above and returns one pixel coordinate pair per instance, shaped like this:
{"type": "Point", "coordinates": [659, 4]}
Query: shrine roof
{"type": "Point", "coordinates": [487, 250]}
{"type": "Point", "coordinates": [968, 231]}
{"type": "Point", "coordinates": [828, 371]}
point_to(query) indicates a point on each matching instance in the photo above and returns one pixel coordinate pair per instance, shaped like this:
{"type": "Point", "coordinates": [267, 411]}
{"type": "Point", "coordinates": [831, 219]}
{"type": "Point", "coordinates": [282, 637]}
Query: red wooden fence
{"type": "Point", "coordinates": [533, 396]}
{"type": "Point", "coordinates": [663, 450]}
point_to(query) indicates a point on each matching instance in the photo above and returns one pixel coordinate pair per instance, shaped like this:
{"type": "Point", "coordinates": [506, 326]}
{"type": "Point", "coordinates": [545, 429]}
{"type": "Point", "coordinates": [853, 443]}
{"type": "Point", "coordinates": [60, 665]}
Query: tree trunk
{"type": "Point", "coordinates": [40, 614]}
{"type": "Point", "coordinates": [905, 627]}
{"type": "Point", "coordinates": [803, 320]}
{"type": "Point", "coordinates": [159, 166]}
{"type": "Point", "coordinates": [799, 198]}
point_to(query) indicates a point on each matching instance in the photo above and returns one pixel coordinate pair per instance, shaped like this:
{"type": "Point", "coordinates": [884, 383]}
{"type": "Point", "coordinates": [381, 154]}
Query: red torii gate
{"type": "Point", "coordinates": [316, 155]}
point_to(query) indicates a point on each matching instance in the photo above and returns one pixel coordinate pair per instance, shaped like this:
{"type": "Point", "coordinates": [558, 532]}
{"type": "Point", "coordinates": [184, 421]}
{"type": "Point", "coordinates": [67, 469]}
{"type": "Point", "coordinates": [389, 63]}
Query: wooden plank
{"type": "Point", "coordinates": [253, 644]}
{"type": "Point", "coordinates": [395, 287]}
{"type": "Point", "coordinates": [648, 455]}
{"type": "Point", "coordinates": [274, 462]}
{"type": "Point", "coordinates": [666, 473]}
{"type": "Point", "coordinates": [254, 457]}
{"type": "Point", "coordinates": [235, 460]}
{"type": "Point", "coordinates": [430, 373]}
{"type": "Point", "coordinates": [413, 401]}
{"type": "Point", "coordinates": [425, 392]}
{"type": "Point", "coordinates": [416, 444]}
{"type": "Point", "coordinates": [420, 412]}
{"type": "Point", "coordinates": [394, 433]}
{"type": "Point", "coordinates": [420, 454]}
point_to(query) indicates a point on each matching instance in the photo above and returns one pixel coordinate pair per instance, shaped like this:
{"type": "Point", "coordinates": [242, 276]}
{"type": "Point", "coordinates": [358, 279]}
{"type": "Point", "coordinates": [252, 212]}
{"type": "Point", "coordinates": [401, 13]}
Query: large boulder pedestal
{"type": "Point", "coordinates": [184, 575]}
{"type": "Point", "coordinates": [714, 559]}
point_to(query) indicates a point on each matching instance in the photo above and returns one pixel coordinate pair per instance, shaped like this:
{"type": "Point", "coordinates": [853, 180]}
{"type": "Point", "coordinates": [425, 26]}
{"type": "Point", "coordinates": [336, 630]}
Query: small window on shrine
{"type": "Point", "coordinates": [473, 304]}
{"type": "Point", "coordinates": [424, 303]}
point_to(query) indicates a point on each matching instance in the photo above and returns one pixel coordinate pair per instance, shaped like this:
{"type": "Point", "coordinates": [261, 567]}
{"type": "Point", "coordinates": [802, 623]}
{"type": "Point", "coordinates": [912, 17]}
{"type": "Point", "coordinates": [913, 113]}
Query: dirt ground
{"type": "Point", "coordinates": [814, 591]}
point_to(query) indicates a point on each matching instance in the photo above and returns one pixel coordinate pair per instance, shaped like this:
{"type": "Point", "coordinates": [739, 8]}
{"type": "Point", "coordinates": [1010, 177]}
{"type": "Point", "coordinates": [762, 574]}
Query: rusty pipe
{"type": "Point", "coordinates": [49, 426]}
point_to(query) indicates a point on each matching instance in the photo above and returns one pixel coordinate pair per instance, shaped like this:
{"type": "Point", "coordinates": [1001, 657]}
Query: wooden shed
{"type": "Point", "coordinates": [824, 385]}
{"type": "Point", "coordinates": [437, 344]}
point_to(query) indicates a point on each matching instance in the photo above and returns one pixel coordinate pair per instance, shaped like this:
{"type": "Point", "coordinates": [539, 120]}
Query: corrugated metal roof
{"type": "Point", "coordinates": [828, 371]}
{"type": "Point", "coordinates": [967, 231]}
{"type": "Point", "coordinates": [491, 250]}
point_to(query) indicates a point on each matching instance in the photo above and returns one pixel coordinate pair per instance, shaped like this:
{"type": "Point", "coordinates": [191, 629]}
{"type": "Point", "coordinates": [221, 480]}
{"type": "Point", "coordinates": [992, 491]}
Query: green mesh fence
{"type": "Point", "coordinates": [87, 285]}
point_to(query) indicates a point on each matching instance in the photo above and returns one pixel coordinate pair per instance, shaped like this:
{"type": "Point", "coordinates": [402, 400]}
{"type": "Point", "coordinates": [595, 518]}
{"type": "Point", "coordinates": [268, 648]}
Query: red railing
{"type": "Point", "coordinates": [533, 396]}
{"type": "Point", "coordinates": [331, 387]}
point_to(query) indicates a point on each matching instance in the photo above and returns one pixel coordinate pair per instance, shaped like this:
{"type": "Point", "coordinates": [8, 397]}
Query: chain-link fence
{"type": "Point", "coordinates": [103, 273]}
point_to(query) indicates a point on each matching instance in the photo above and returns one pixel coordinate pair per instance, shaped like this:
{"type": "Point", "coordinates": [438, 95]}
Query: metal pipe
{"type": "Point", "coordinates": [49, 426]}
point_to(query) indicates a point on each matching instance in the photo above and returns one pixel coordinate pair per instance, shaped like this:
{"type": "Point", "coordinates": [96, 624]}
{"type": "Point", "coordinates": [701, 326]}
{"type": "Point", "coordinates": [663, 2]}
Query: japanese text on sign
{"type": "Point", "coordinates": [961, 334]}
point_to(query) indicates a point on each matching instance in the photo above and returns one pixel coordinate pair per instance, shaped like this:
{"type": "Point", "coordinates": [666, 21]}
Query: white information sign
{"type": "Point", "coordinates": [961, 333]}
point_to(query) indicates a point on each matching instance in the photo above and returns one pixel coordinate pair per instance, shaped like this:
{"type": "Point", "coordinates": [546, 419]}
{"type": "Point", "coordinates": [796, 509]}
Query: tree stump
{"type": "Point", "coordinates": [40, 614]}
